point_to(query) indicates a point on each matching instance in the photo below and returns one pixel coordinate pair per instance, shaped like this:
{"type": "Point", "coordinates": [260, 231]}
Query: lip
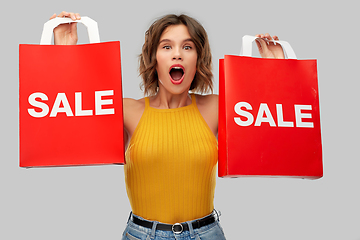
{"type": "Point", "coordinates": [182, 78]}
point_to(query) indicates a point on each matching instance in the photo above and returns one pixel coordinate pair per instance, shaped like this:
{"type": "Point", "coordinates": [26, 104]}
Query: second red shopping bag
{"type": "Point", "coordinates": [269, 119]}
{"type": "Point", "coordinates": [70, 101]}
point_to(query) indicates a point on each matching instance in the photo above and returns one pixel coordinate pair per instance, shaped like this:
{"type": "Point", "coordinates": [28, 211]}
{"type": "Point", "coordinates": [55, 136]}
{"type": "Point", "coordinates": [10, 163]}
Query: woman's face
{"type": "Point", "coordinates": [176, 59]}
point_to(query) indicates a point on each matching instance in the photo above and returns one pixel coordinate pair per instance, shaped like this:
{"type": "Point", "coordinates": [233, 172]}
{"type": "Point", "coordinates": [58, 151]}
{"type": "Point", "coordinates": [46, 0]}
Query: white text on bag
{"type": "Point", "coordinates": [268, 118]}
{"type": "Point", "coordinates": [61, 99]}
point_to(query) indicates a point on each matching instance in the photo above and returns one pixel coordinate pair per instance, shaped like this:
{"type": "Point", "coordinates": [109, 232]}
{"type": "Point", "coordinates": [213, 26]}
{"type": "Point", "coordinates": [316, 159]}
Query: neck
{"type": "Point", "coordinates": [166, 100]}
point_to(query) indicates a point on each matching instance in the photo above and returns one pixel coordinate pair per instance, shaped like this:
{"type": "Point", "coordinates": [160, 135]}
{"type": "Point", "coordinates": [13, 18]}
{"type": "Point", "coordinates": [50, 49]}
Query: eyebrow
{"type": "Point", "coordinates": [168, 40]}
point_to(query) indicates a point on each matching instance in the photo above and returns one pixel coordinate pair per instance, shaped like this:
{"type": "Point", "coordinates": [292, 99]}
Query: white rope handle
{"type": "Point", "coordinates": [246, 49]}
{"type": "Point", "coordinates": [91, 25]}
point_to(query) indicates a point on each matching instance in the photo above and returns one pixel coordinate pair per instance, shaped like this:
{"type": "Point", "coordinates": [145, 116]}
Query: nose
{"type": "Point", "coordinates": [177, 54]}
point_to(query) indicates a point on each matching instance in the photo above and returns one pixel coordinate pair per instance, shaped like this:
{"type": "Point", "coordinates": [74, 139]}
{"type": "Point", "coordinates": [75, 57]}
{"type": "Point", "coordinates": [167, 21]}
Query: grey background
{"type": "Point", "coordinates": [91, 202]}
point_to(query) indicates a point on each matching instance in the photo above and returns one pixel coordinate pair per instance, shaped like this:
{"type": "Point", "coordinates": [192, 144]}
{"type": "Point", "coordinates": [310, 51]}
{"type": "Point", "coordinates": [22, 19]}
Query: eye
{"type": "Point", "coordinates": [167, 47]}
{"type": "Point", "coordinates": [187, 47]}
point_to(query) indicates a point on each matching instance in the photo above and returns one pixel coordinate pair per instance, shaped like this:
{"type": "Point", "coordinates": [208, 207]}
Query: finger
{"type": "Point", "coordinates": [264, 40]}
{"type": "Point", "coordinates": [260, 37]}
{"type": "Point", "coordinates": [77, 15]}
{"type": "Point", "coordinates": [267, 36]}
{"type": "Point", "coordinates": [68, 14]}
{"type": "Point", "coordinates": [63, 14]}
{"type": "Point", "coordinates": [257, 41]}
{"type": "Point", "coordinates": [271, 40]}
{"type": "Point", "coordinates": [276, 38]}
{"type": "Point", "coordinates": [74, 27]}
{"type": "Point", "coordinates": [261, 44]}
{"type": "Point", "coordinates": [258, 45]}
{"type": "Point", "coordinates": [53, 16]}
{"type": "Point", "coordinates": [72, 16]}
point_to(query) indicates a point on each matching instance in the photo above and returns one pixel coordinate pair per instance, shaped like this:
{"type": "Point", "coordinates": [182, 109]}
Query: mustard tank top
{"type": "Point", "coordinates": [170, 168]}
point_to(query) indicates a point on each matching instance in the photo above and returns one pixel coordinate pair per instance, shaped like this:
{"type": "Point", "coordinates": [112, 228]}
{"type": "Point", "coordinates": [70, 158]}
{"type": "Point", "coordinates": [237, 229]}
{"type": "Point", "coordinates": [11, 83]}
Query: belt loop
{"type": "Point", "coordinates": [191, 230]}
{"type": "Point", "coordinates": [218, 214]}
{"type": "Point", "coordinates": [155, 223]}
{"type": "Point", "coordinates": [129, 217]}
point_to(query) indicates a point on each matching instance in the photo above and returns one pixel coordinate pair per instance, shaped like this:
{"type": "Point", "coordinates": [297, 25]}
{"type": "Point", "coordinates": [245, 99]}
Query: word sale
{"type": "Point", "coordinates": [264, 116]}
{"type": "Point", "coordinates": [61, 105]}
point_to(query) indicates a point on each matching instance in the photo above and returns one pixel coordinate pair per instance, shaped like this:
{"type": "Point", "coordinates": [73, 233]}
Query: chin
{"type": "Point", "coordinates": [175, 89]}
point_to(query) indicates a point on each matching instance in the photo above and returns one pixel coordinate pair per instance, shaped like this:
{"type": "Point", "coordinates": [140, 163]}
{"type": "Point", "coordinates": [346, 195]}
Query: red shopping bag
{"type": "Point", "coordinates": [269, 121]}
{"type": "Point", "coordinates": [70, 101]}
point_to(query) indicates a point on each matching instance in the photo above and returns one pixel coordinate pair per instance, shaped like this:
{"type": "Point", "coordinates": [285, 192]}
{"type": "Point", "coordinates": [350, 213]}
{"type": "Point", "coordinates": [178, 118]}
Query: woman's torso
{"type": "Point", "coordinates": [171, 164]}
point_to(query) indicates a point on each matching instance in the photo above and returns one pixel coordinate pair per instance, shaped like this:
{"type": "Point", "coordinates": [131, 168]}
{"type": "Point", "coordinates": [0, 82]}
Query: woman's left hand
{"type": "Point", "coordinates": [268, 49]}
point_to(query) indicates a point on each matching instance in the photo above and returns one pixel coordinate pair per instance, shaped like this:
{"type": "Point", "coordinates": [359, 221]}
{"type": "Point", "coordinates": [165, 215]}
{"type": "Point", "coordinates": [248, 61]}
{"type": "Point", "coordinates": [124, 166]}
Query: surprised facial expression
{"type": "Point", "coordinates": [176, 59]}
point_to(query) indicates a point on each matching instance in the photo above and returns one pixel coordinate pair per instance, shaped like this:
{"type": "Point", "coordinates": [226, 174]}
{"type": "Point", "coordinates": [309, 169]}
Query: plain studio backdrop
{"type": "Point", "coordinates": [91, 202]}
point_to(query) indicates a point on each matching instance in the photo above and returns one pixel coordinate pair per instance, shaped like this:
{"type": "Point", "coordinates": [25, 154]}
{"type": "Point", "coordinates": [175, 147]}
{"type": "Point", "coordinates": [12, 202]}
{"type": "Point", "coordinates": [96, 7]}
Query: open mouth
{"type": "Point", "coordinates": [176, 74]}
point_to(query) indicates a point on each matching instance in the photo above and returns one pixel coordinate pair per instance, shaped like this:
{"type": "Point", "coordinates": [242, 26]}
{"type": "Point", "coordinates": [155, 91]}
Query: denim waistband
{"type": "Point", "coordinates": [190, 232]}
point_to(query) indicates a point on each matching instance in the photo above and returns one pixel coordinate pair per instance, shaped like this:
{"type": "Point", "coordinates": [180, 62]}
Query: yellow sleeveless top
{"type": "Point", "coordinates": [171, 165]}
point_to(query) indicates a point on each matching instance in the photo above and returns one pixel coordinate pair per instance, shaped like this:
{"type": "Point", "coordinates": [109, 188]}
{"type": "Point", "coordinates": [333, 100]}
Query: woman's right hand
{"type": "Point", "coordinates": [66, 34]}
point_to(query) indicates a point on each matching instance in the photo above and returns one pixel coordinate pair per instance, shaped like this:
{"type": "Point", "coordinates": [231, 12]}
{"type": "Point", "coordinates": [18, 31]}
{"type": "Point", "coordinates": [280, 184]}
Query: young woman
{"type": "Point", "coordinates": [170, 135]}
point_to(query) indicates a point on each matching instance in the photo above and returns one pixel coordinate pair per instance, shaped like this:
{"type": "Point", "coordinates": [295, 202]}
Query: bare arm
{"type": "Point", "coordinates": [133, 110]}
{"type": "Point", "coordinates": [208, 106]}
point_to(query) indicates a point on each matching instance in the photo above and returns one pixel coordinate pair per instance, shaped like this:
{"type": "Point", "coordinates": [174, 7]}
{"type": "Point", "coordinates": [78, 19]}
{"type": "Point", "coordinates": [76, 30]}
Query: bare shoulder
{"type": "Point", "coordinates": [208, 108]}
{"type": "Point", "coordinates": [133, 103]}
{"type": "Point", "coordinates": [210, 100]}
{"type": "Point", "coordinates": [133, 110]}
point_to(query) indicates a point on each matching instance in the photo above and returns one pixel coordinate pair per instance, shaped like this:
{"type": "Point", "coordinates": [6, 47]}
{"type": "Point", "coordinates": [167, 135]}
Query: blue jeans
{"type": "Point", "coordinates": [212, 231]}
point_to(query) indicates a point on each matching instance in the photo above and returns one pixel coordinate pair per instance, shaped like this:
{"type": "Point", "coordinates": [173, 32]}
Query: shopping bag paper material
{"type": "Point", "coordinates": [269, 121]}
{"type": "Point", "coordinates": [70, 105]}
